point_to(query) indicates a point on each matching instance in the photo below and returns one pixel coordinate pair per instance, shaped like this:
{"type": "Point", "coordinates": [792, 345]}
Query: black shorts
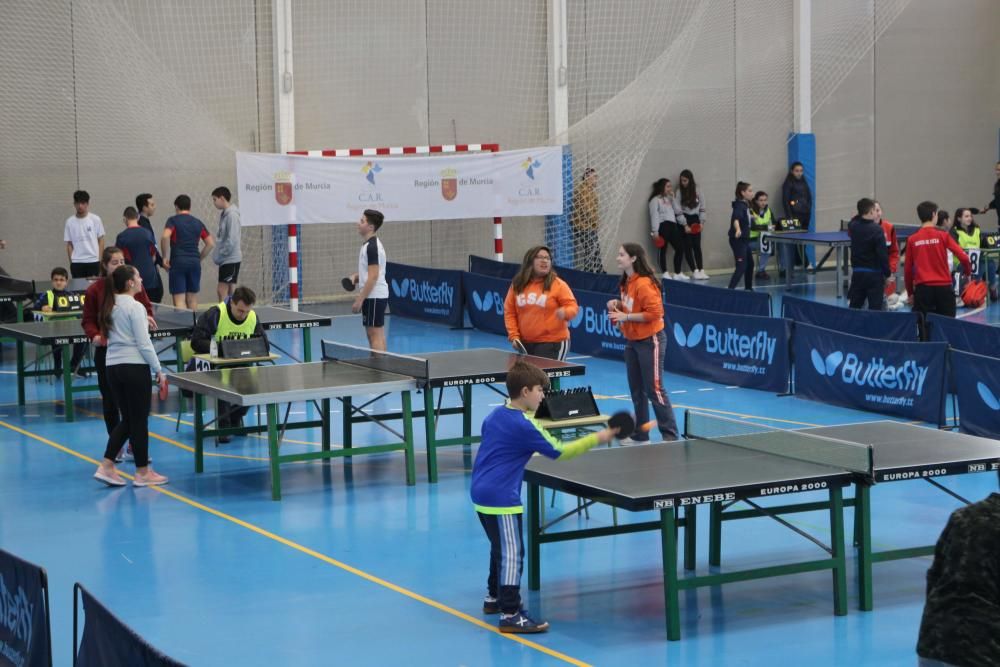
{"type": "Point", "coordinates": [373, 312]}
{"type": "Point", "coordinates": [229, 273]}
{"type": "Point", "coordinates": [84, 269]}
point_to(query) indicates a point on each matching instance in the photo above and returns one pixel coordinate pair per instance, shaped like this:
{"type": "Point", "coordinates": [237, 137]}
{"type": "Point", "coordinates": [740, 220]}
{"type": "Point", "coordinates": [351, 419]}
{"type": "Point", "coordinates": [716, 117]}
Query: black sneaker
{"type": "Point", "coordinates": [521, 623]}
{"type": "Point", "coordinates": [491, 606]}
{"type": "Point", "coordinates": [762, 275]}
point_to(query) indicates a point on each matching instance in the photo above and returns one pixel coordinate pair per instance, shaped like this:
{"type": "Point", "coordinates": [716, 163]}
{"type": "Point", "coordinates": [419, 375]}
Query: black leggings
{"type": "Point", "coordinates": [675, 236]}
{"type": "Point", "coordinates": [111, 417]}
{"type": "Point", "coordinates": [694, 243]}
{"type": "Point", "coordinates": [743, 256]}
{"type": "Point", "coordinates": [132, 387]}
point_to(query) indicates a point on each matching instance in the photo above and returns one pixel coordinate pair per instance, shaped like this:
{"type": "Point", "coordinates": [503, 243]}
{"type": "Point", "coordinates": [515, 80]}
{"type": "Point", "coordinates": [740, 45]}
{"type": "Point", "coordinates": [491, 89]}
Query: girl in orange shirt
{"type": "Point", "coordinates": [639, 314]}
{"type": "Point", "coordinates": [538, 307]}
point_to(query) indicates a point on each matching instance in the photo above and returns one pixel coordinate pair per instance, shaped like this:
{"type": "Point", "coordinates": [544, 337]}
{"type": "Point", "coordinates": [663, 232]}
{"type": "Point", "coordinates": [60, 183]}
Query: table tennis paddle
{"type": "Point", "coordinates": [164, 388]}
{"type": "Point", "coordinates": [519, 346]}
{"type": "Point", "coordinates": [624, 422]}
{"type": "Point", "coordinates": [348, 284]}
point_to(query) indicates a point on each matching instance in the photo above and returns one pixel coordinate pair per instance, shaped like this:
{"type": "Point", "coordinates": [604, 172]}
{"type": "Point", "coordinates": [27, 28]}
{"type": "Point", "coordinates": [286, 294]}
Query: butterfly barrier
{"type": "Point", "coordinates": [813, 352]}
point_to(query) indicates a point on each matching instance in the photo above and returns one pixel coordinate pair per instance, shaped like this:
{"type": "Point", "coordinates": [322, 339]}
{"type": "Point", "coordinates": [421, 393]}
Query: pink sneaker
{"type": "Point", "coordinates": [151, 478]}
{"type": "Point", "coordinates": [111, 479]}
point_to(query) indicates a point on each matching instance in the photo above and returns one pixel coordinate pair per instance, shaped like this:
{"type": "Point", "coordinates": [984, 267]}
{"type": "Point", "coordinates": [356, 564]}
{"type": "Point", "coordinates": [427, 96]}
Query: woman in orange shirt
{"type": "Point", "coordinates": [538, 307]}
{"type": "Point", "coordinates": [639, 314]}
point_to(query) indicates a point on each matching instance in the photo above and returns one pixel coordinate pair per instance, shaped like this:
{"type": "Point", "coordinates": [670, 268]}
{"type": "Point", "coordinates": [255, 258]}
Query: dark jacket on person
{"type": "Point", "coordinates": [741, 212]}
{"type": "Point", "coordinates": [208, 324]}
{"type": "Point", "coordinates": [796, 198]}
{"type": "Point", "coordinates": [868, 250]}
{"type": "Point", "coordinates": [961, 620]}
{"type": "Point", "coordinates": [995, 204]}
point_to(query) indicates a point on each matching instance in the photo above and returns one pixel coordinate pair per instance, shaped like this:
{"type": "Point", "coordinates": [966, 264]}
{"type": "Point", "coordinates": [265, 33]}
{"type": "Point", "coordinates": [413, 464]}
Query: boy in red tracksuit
{"type": "Point", "coordinates": [927, 268]}
{"type": "Point", "coordinates": [892, 247]}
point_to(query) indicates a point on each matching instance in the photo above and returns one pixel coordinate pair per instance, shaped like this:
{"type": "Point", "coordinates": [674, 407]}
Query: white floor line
{"type": "Point", "coordinates": [971, 312]}
{"type": "Point", "coordinates": [731, 387]}
{"type": "Point", "coordinates": [9, 372]}
{"type": "Point", "coordinates": [679, 391]}
{"type": "Point", "coordinates": [707, 389]}
{"type": "Point", "coordinates": [582, 356]}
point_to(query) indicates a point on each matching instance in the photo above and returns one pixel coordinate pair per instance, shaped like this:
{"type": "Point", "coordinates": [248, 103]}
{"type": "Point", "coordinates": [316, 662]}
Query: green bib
{"type": "Point", "coordinates": [229, 328]}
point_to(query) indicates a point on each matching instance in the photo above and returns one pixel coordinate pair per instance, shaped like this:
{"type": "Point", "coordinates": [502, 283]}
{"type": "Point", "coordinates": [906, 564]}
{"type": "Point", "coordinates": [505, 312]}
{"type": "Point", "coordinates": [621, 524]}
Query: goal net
{"type": "Point", "coordinates": [127, 96]}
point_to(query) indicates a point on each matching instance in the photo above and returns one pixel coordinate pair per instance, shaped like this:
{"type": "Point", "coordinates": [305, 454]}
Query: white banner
{"type": "Point", "coordinates": [279, 189]}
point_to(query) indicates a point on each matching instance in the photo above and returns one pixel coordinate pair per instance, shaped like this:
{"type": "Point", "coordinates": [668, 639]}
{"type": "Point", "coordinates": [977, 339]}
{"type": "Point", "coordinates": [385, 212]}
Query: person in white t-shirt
{"type": "Point", "coordinates": [373, 294]}
{"type": "Point", "coordinates": [84, 237]}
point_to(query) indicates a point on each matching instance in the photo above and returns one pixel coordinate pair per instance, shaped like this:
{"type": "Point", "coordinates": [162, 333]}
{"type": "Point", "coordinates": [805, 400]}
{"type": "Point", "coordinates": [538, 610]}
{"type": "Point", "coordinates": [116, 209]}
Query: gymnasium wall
{"type": "Point", "coordinates": [150, 96]}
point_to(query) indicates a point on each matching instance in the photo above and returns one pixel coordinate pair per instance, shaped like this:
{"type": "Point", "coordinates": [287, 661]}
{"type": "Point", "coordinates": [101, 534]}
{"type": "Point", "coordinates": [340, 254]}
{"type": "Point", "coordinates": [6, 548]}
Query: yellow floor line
{"type": "Point", "coordinates": [180, 445]}
{"type": "Point", "coordinates": [173, 419]}
{"type": "Point", "coordinates": [314, 554]}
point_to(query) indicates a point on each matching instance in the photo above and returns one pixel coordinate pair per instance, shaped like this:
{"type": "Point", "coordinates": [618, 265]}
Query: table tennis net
{"type": "Point", "coordinates": [789, 443]}
{"type": "Point", "coordinates": [16, 285]}
{"type": "Point", "coordinates": [176, 317]}
{"type": "Point", "coordinates": [381, 361]}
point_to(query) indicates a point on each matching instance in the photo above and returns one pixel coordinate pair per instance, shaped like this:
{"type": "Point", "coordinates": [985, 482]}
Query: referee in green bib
{"type": "Point", "coordinates": [233, 317]}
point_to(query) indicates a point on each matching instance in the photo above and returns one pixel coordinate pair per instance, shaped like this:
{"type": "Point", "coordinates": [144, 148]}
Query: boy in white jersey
{"type": "Point", "coordinates": [373, 291]}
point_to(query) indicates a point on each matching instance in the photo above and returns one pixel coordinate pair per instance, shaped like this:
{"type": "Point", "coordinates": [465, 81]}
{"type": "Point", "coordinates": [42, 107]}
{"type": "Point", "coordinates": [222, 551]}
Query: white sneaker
{"type": "Point", "coordinates": [625, 442]}
{"type": "Point", "coordinates": [700, 275]}
{"type": "Point", "coordinates": [126, 453]}
{"type": "Point", "coordinates": [896, 306]}
{"type": "Point", "coordinates": [681, 276]}
{"type": "Point", "coordinates": [668, 276]}
{"type": "Point", "coordinates": [892, 300]}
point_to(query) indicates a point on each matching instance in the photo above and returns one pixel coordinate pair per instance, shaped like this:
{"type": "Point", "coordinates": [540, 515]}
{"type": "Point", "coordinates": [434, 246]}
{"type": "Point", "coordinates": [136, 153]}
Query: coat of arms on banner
{"type": "Point", "coordinates": [283, 187]}
{"type": "Point", "coordinates": [449, 184]}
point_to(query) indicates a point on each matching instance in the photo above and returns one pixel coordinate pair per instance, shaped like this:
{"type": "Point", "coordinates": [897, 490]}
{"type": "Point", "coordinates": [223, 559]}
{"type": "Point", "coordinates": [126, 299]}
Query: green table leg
{"type": "Point", "coordinates": [20, 372]}
{"type": "Point", "coordinates": [199, 428]}
{"type": "Point", "coordinates": [863, 518]}
{"type": "Point", "coordinates": [690, 536]}
{"type": "Point", "coordinates": [272, 450]}
{"type": "Point", "coordinates": [411, 464]}
{"type": "Point", "coordinates": [325, 417]}
{"type": "Point", "coordinates": [535, 501]}
{"type": "Point", "coordinates": [307, 345]}
{"type": "Point", "coordinates": [179, 363]}
{"type": "Point", "coordinates": [839, 556]}
{"type": "Point", "coordinates": [668, 539]}
{"type": "Point", "coordinates": [67, 379]}
{"type": "Point", "coordinates": [348, 433]}
{"type": "Point", "coordinates": [429, 433]}
{"type": "Point", "coordinates": [715, 535]}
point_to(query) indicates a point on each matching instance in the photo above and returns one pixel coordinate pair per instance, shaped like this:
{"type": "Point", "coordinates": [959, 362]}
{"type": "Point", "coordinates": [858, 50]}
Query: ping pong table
{"type": "Point", "coordinates": [17, 291]}
{"type": "Point", "coordinates": [838, 243]}
{"type": "Point", "coordinates": [64, 333]}
{"type": "Point", "coordinates": [723, 462]}
{"type": "Point", "coordinates": [458, 369]}
{"type": "Point", "coordinates": [346, 372]}
{"type": "Point", "coordinates": [176, 323]}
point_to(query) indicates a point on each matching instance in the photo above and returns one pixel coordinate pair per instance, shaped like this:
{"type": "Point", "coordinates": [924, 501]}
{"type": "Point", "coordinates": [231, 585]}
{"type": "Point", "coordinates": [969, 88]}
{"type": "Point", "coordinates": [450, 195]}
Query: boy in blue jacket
{"type": "Point", "coordinates": [510, 438]}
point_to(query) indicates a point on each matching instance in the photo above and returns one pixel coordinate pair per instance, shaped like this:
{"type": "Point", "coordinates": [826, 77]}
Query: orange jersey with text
{"type": "Point", "coordinates": [640, 295]}
{"type": "Point", "coordinates": [531, 315]}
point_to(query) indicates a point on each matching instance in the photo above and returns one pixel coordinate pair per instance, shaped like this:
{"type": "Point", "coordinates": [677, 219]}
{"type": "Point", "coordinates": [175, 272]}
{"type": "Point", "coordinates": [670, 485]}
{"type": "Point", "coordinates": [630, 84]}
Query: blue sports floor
{"type": "Point", "coordinates": [353, 567]}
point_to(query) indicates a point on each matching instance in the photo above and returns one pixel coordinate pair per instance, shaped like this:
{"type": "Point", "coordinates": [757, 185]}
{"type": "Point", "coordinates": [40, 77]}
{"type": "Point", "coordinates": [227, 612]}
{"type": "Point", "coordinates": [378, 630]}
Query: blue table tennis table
{"type": "Point", "coordinates": [837, 242]}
